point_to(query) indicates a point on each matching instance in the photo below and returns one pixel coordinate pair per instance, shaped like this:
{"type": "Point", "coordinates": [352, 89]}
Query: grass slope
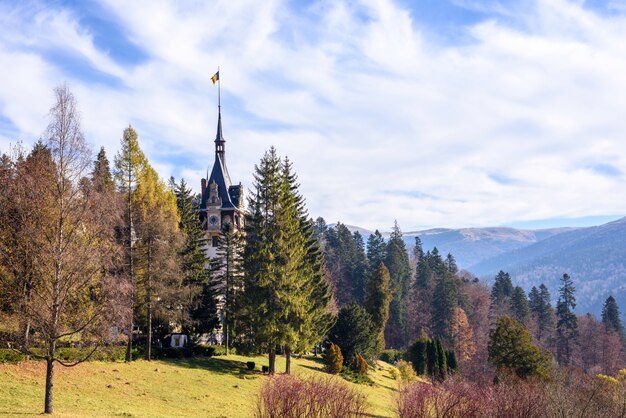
{"type": "Point", "coordinates": [218, 387]}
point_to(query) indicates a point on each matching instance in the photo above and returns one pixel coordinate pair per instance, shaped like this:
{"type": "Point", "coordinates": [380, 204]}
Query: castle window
{"type": "Point", "coordinates": [214, 241]}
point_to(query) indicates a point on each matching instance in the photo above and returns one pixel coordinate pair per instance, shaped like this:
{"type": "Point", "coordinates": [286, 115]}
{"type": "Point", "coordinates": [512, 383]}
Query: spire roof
{"type": "Point", "coordinates": [218, 136]}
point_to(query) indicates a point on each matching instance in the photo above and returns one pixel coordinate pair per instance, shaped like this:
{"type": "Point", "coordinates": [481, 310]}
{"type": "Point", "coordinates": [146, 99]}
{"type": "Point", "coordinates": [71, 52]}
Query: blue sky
{"type": "Point", "coordinates": [437, 113]}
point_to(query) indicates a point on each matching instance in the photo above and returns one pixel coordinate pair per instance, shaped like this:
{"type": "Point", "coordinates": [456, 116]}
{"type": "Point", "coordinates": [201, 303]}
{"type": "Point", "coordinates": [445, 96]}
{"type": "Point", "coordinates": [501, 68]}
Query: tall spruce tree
{"type": "Point", "coordinates": [610, 316]}
{"type": "Point", "coordinates": [397, 261]}
{"type": "Point", "coordinates": [377, 299]}
{"type": "Point", "coordinates": [313, 319]}
{"type": "Point", "coordinates": [501, 293]}
{"type": "Point", "coordinates": [284, 290]}
{"type": "Point", "coordinates": [567, 324]}
{"type": "Point", "coordinates": [360, 268]}
{"type": "Point", "coordinates": [376, 249]}
{"type": "Point", "coordinates": [520, 309]}
{"type": "Point", "coordinates": [542, 309]}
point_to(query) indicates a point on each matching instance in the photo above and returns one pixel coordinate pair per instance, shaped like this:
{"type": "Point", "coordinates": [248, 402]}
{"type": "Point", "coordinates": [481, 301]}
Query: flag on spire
{"type": "Point", "coordinates": [215, 77]}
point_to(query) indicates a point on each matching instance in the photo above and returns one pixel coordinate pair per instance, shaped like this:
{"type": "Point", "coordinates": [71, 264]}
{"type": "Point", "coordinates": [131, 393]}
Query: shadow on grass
{"type": "Point", "coordinates": [214, 364]}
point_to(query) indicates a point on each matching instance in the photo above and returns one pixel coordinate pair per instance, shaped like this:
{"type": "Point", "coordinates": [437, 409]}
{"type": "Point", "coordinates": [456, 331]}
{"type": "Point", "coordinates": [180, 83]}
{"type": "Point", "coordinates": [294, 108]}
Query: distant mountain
{"type": "Point", "coordinates": [595, 258]}
{"type": "Point", "coordinates": [473, 245]}
{"type": "Point", "coordinates": [470, 246]}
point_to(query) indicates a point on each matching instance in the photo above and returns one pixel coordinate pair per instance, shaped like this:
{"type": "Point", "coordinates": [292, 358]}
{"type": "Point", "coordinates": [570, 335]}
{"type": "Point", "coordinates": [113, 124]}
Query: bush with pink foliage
{"type": "Point", "coordinates": [292, 397]}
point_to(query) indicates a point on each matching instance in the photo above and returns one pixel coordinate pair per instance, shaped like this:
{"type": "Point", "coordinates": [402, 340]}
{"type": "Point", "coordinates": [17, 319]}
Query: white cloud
{"type": "Point", "coordinates": [380, 122]}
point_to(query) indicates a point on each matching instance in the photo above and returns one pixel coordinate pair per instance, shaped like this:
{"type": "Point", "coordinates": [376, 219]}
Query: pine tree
{"type": "Point", "coordinates": [445, 299]}
{"type": "Point", "coordinates": [285, 295]}
{"type": "Point", "coordinates": [544, 313]}
{"type": "Point", "coordinates": [377, 299]}
{"type": "Point", "coordinates": [567, 324]}
{"type": "Point", "coordinates": [451, 264]}
{"type": "Point", "coordinates": [360, 268]}
{"type": "Point", "coordinates": [511, 347]}
{"type": "Point", "coordinates": [376, 249]}
{"type": "Point", "coordinates": [501, 293]}
{"type": "Point", "coordinates": [520, 309]}
{"type": "Point", "coordinates": [610, 316]}
{"type": "Point", "coordinates": [352, 333]}
{"type": "Point", "coordinates": [418, 250]}
{"type": "Point", "coordinates": [397, 261]}
{"type": "Point", "coordinates": [441, 358]}
{"type": "Point", "coordinates": [101, 175]}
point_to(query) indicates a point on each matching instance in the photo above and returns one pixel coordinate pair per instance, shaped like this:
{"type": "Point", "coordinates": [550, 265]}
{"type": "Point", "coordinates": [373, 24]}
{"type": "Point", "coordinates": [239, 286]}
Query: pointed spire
{"type": "Point", "coordinates": [219, 137]}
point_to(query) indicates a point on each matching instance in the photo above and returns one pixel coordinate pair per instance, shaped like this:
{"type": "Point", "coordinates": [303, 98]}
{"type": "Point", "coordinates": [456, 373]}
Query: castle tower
{"type": "Point", "coordinates": [222, 202]}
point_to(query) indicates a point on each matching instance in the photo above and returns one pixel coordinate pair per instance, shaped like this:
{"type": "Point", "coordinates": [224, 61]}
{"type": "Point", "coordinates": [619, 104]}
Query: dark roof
{"type": "Point", "coordinates": [220, 176]}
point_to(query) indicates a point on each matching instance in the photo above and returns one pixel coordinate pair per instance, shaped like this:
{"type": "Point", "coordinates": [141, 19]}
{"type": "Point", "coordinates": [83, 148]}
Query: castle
{"type": "Point", "coordinates": [222, 202]}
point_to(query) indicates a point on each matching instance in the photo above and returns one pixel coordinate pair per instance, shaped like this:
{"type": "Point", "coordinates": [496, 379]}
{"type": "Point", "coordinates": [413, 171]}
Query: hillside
{"type": "Point", "coordinates": [218, 387]}
{"type": "Point", "coordinates": [595, 258]}
{"type": "Point", "coordinates": [472, 245]}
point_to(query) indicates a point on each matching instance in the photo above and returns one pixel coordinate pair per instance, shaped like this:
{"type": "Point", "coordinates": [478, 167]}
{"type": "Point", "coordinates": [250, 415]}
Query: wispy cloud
{"type": "Point", "coordinates": [376, 113]}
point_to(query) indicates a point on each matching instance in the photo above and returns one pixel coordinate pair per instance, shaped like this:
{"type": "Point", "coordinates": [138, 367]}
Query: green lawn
{"type": "Point", "coordinates": [202, 387]}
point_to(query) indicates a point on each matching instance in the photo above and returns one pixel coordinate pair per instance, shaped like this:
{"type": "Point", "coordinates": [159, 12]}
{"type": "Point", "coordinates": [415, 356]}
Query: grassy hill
{"type": "Point", "coordinates": [203, 387]}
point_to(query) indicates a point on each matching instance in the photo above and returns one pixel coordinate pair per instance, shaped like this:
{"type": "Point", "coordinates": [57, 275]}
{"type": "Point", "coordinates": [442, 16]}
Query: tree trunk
{"type": "Point", "coordinates": [287, 360]}
{"type": "Point", "coordinates": [49, 376]}
{"type": "Point", "coordinates": [226, 334]}
{"type": "Point", "coordinates": [129, 345]}
{"type": "Point", "coordinates": [149, 304]}
{"type": "Point", "coordinates": [272, 360]}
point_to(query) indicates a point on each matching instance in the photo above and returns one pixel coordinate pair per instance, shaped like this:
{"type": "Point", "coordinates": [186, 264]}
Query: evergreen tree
{"type": "Point", "coordinates": [511, 347]}
{"type": "Point", "coordinates": [567, 324]}
{"type": "Point", "coordinates": [451, 264]}
{"type": "Point", "coordinates": [101, 175]}
{"type": "Point", "coordinates": [418, 356]}
{"type": "Point", "coordinates": [376, 249]}
{"type": "Point", "coordinates": [541, 308]}
{"type": "Point", "coordinates": [353, 333]}
{"type": "Point", "coordinates": [501, 293]}
{"type": "Point", "coordinates": [610, 316]}
{"type": "Point", "coordinates": [445, 299]}
{"type": "Point", "coordinates": [360, 268]}
{"type": "Point", "coordinates": [441, 357]}
{"type": "Point", "coordinates": [397, 261]}
{"type": "Point", "coordinates": [377, 299]}
{"type": "Point", "coordinates": [285, 295]}
{"type": "Point", "coordinates": [520, 309]}
{"type": "Point", "coordinates": [418, 250]}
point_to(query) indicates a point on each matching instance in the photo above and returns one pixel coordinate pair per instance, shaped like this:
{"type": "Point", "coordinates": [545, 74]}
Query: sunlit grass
{"type": "Point", "coordinates": [202, 387]}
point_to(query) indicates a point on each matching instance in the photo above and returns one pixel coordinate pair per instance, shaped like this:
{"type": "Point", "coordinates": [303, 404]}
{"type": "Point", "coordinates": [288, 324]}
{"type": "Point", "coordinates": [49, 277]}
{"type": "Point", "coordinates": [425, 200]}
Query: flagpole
{"type": "Point", "coordinates": [219, 94]}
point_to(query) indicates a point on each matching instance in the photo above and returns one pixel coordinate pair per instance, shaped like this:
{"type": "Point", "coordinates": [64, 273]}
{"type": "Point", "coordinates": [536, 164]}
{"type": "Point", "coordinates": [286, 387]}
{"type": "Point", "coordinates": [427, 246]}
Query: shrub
{"type": "Point", "coordinates": [359, 364]}
{"type": "Point", "coordinates": [8, 355]}
{"type": "Point", "coordinates": [265, 369]}
{"type": "Point", "coordinates": [334, 359]}
{"type": "Point", "coordinates": [451, 399]}
{"type": "Point", "coordinates": [287, 396]}
{"type": "Point", "coordinates": [391, 356]}
{"type": "Point", "coordinates": [354, 377]}
{"type": "Point", "coordinates": [250, 365]}
{"type": "Point", "coordinates": [405, 371]}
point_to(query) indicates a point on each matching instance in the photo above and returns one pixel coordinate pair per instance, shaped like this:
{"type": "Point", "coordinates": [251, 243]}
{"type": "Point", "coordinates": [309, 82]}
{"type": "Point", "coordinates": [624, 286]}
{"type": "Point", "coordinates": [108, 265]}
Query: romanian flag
{"type": "Point", "coordinates": [215, 77]}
